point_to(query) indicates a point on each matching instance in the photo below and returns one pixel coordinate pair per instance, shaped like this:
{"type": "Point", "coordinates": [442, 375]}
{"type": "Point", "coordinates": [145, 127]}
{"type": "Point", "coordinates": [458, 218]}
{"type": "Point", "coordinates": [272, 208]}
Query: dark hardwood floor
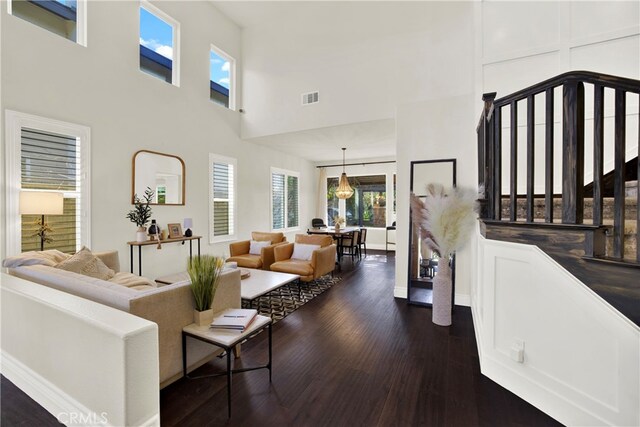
{"type": "Point", "coordinates": [354, 356]}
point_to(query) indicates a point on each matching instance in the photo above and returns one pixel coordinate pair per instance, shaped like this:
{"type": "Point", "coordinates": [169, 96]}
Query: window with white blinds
{"type": "Point", "coordinates": [285, 203]}
{"type": "Point", "coordinates": [44, 154]}
{"type": "Point", "coordinates": [52, 162]}
{"type": "Point", "coordinates": [223, 189]}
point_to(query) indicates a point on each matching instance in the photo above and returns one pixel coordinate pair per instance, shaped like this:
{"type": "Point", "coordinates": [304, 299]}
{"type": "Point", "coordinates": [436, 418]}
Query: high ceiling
{"type": "Point", "coordinates": [326, 22]}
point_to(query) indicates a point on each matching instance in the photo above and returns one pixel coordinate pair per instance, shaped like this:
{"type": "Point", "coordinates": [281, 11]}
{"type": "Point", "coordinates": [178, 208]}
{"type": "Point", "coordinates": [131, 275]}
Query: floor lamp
{"type": "Point", "coordinates": [41, 203]}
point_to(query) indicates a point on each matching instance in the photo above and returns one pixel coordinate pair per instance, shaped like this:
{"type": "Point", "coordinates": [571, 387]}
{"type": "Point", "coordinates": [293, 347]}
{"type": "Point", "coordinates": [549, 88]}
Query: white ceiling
{"type": "Point", "coordinates": [325, 22]}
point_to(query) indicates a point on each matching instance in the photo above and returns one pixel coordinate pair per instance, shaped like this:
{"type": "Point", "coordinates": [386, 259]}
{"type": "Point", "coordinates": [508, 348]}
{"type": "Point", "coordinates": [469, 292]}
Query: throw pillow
{"type": "Point", "coordinates": [303, 251]}
{"type": "Point", "coordinates": [86, 263]}
{"type": "Point", "coordinates": [256, 246]}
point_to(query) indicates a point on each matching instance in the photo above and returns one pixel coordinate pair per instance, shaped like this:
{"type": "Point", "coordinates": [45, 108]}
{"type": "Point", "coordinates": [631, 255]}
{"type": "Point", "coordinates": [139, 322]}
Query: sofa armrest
{"type": "Point", "coordinates": [323, 260]}
{"type": "Point", "coordinates": [283, 251]}
{"type": "Point", "coordinates": [110, 258]}
{"type": "Point", "coordinates": [171, 307]}
{"type": "Point", "coordinates": [268, 255]}
{"type": "Point", "coordinates": [239, 248]}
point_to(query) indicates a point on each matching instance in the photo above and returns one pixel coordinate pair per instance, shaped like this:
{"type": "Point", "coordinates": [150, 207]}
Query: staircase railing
{"type": "Point", "coordinates": [490, 160]}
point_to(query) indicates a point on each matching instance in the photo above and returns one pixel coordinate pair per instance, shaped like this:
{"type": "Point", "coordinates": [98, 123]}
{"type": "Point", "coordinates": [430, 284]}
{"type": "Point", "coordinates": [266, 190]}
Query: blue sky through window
{"type": "Point", "coordinates": [156, 34]}
{"type": "Point", "coordinates": [73, 4]}
{"type": "Point", "coordinates": [220, 71]}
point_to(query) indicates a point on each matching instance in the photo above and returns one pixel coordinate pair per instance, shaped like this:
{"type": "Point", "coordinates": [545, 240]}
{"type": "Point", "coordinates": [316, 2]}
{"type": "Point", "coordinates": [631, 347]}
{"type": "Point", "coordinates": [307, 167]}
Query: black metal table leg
{"type": "Point", "coordinates": [184, 355]}
{"type": "Point", "coordinates": [139, 260]}
{"type": "Point", "coordinates": [198, 247]}
{"type": "Point", "coordinates": [190, 249]}
{"type": "Point", "coordinates": [229, 380]}
{"type": "Point", "coordinates": [270, 338]}
{"type": "Point", "coordinates": [131, 258]}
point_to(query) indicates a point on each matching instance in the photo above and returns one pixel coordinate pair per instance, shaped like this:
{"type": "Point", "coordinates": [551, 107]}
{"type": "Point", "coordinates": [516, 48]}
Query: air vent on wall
{"type": "Point", "coordinates": [310, 98]}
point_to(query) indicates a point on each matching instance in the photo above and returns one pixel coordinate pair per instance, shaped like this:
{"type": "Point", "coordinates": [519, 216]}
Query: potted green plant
{"type": "Point", "coordinates": [204, 272]}
{"type": "Point", "coordinates": [141, 213]}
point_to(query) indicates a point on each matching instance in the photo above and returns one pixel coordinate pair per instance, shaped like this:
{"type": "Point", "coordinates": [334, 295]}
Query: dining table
{"type": "Point", "coordinates": [338, 235]}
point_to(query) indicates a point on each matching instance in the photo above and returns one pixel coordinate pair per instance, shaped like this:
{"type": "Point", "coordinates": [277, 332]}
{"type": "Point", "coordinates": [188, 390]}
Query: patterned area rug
{"type": "Point", "coordinates": [287, 299]}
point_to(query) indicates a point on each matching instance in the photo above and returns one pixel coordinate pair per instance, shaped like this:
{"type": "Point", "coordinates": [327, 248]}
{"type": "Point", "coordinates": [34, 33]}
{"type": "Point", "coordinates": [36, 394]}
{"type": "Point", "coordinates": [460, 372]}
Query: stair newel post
{"type": "Point", "coordinates": [513, 195]}
{"type": "Point", "coordinates": [598, 152]}
{"type": "Point", "coordinates": [489, 151]}
{"type": "Point", "coordinates": [619, 173]}
{"type": "Point", "coordinates": [548, 156]}
{"type": "Point", "coordinates": [497, 162]}
{"type": "Point", "coordinates": [531, 131]}
{"type": "Point", "coordinates": [573, 152]}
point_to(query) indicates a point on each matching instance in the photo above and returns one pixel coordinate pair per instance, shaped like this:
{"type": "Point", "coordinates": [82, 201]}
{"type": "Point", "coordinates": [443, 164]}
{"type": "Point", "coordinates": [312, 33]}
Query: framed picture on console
{"type": "Point", "coordinates": [175, 231]}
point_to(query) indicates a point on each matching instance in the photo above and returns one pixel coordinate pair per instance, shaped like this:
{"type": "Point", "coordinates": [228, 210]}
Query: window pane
{"type": "Point", "coordinates": [292, 201]}
{"type": "Point", "coordinates": [332, 200]}
{"type": "Point", "coordinates": [277, 190]}
{"type": "Point", "coordinates": [367, 206]}
{"type": "Point", "coordinates": [52, 162]}
{"type": "Point", "coordinates": [156, 46]}
{"type": "Point", "coordinates": [223, 199]}
{"type": "Point", "coordinates": [59, 17]}
{"type": "Point", "coordinates": [220, 78]}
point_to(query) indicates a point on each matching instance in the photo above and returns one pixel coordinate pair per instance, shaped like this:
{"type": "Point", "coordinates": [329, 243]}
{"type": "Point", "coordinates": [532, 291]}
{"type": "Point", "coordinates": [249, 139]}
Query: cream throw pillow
{"type": "Point", "coordinates": [256, 246]}
{"type": "Point", "coordinates": [86, 263]}
{"type": "Point", "coordinates": [303, 251]}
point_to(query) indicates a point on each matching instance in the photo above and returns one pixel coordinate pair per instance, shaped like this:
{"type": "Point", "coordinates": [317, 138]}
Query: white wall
{"type": "Point", "coordinates": [100, 86]}
{"type": "Point", "coordinates": [580, 354]}
{"type": "Point", "coordinates": [525, 43]}
{"type": "Point", "coordinates": [84, 362]}
{"type": "Point", "coordinates": [376, 236]}
{"type": "Point", "coordinates": [364, 58]}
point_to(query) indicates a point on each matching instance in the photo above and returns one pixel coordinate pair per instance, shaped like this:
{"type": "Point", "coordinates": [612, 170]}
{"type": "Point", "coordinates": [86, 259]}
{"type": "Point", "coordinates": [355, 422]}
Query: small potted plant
{"type": "Point", "coordinates": [338, 221]}
{"type": "Point", "coordinates": [204, 272]}
{"type": "Point", "coordinates": [141, 213]}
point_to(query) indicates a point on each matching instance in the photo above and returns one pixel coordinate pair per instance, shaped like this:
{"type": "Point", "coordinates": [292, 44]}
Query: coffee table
{"type": "Point", "coordinates": [259, 282]}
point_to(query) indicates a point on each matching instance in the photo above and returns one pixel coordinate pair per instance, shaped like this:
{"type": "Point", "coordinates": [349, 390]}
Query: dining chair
{"type": "Point", "coordinates": [350, 245]}
{"type": "Point", "coordinates": [362, 241]}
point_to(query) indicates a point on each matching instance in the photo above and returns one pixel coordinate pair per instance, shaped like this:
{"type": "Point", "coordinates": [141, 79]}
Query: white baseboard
{"type": "Point", "coordinates": [400, 292]}
{"type": "Point", "coordinates": [66, 409]}
{"type": "Point", "coordinates": [463, 300]}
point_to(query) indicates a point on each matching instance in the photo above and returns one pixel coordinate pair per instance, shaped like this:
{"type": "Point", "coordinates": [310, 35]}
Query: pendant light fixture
{"type": "Point", "coordinates": [344, 190]}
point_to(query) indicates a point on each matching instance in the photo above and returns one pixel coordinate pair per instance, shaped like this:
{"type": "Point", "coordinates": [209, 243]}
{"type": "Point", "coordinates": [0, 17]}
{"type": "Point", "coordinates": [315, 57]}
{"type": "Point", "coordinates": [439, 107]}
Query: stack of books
{"type": "Point", "coordinates": [236, 319]}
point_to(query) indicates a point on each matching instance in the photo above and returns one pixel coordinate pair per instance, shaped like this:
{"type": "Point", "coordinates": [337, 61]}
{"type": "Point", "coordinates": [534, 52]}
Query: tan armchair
{"type": "Point", "coordinates": [322, 260]}
{"type": "Point", "coordinates": [239, 251]}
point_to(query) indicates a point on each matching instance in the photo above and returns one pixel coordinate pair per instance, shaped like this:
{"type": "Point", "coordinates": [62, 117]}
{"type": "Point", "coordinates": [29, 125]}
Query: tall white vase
{"type": "Point", "coordinates": [442, 294]}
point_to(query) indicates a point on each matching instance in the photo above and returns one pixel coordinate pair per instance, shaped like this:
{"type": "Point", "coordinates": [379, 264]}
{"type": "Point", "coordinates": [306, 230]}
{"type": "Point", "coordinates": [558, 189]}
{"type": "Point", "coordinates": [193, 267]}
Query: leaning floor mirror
{"type": "Point", "coordinates": [423, 264]}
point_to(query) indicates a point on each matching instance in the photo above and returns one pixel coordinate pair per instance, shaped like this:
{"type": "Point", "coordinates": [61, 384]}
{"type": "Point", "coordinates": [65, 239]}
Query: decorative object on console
{"type": "Point", "coordinates": [141, 213]}
{"type": "Point", "coordinates": [344, 190]}
{"type": "Point", "coordinates": [204, 272]}
{"type": "Point", "coordinates": [154, 230]}
{"type": "Point", "coordinates": [445, 220]}
{"type": "Point", "coordinates": [175, 231]}
{"type": "Point", "coordinates": [188, 223]}
{"type": "Point", "coordinates": [41, 203]}
{"type": "Point", "coordinates": [338, 221]}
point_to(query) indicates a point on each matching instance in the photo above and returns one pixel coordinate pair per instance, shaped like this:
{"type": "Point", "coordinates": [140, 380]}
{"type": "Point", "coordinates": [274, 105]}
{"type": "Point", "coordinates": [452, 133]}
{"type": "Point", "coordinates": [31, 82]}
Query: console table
{"type": "Point", "coordinates": [155, 242]}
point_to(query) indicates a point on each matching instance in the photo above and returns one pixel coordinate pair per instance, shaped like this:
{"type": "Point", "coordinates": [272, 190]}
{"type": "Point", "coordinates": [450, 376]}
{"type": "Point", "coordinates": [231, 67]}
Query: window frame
{"type": "Point", "coordinates": [81, 21]}
{"type": "Point", "coordinates": [342, 204]}
{"type": "Point", "coordinates": [217, 158]}
{"type": "Point", "coordinates": [175, 61]}
{"type": "Point", "coordinates": [232, 75]}
{"type": "Point", "coordinates": [15, 121]}
{"type": "Point", "coordinates": [286, 173]}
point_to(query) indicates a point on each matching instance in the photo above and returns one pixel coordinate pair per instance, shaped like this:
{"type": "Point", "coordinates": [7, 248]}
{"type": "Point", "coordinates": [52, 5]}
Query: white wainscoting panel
{"type": "Point", "coordinates": [581, 356]}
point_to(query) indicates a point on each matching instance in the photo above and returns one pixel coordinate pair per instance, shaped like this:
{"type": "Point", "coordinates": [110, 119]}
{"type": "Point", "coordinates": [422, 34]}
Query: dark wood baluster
{"type": "Point", "coordinates": [598, 152]}
{"type": "Point", "coordinates": [489, 151]}
{"type": "Point", "coordinates": [497, 162]}
{"type": "Point", "coordinates": [531, 132]}
{"type": "Point", "coordinates": [482, 180]}
{"type": "Point", "coordinates": [573, 153]}
{"type": "Point", "coordinates": [513, 196]}
{"type": "Point", "coordinates": [548, 157]}
{"type": "Point", "coordinates": [619, 173]}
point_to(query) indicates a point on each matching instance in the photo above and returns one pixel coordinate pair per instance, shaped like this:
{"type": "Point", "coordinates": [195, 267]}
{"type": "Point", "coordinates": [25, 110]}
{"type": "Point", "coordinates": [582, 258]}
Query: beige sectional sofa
{"type": "Point", "coordinates": [170, 307]}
